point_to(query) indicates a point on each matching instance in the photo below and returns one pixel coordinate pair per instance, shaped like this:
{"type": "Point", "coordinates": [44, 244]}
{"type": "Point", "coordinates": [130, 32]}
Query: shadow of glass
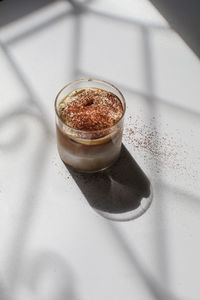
{"type": "Point", "coordinates": [121, 192]}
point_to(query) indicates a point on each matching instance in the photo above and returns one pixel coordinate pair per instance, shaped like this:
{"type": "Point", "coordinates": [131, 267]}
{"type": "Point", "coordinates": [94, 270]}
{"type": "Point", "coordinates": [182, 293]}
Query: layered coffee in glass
{"type": "Point", "coordinates": [89, 124]}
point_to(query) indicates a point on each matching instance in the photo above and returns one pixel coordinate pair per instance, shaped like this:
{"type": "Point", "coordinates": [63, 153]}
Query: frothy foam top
{"type": "Point", "coordinates": [90, 109]}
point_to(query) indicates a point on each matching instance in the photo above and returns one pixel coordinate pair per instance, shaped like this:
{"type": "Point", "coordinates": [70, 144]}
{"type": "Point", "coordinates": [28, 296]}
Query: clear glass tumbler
{"type": "Point", "coordinates": [89, 151]}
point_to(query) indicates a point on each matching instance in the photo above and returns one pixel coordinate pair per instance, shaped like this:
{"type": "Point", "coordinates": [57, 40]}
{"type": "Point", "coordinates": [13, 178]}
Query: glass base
{"type": "Point", "coordinates": [129, 215]}
{"type": "Point", "coordinates": [91, 171]}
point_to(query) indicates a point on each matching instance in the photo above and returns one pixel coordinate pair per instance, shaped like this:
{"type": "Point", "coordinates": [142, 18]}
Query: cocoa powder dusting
{"type": "Point", "coordinates": [163, 149]}
{"type": "Point", "coordinates": [90, 109]}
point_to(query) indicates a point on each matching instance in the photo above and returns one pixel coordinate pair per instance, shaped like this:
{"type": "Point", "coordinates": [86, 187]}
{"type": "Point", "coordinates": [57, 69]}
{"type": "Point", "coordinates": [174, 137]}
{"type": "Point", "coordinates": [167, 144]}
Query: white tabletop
{"type": "Point", "coordinates": [53, 245]}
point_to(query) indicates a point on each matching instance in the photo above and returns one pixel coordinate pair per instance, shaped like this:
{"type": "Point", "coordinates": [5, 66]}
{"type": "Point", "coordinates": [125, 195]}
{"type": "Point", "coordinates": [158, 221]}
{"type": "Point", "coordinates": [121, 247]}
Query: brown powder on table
{"type": "Point", "coordinates": [163, 149]}
{"type": "Point", "coordinates": [61, 169]}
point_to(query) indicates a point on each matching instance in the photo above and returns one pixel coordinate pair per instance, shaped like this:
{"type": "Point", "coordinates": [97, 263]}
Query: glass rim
{"type": "Point", "coordinates": [97, 80]}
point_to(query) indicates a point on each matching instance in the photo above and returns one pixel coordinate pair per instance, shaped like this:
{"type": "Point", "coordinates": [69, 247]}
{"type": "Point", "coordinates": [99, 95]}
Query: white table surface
{"type": "Point", "coordinates": [53, 245]}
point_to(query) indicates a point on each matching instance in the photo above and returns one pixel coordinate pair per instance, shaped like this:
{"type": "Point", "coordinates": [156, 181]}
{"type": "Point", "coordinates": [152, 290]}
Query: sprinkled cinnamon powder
{"type": "Point", "coordinates": [90, 109]}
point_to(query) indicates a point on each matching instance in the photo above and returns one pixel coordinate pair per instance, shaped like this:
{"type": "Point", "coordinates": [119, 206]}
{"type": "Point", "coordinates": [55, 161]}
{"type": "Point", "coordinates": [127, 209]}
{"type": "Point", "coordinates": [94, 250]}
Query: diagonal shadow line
{"type": "Point", "coordinates": [37, 28]}
{"type": "Point", "coordinates": [76, 42]}
{"type": "Point", "coordinates": [148, 64]}
{"type": "Point", "coordinates": [19, 74]}
{"type": "Point", "coordinates": [160, 239]}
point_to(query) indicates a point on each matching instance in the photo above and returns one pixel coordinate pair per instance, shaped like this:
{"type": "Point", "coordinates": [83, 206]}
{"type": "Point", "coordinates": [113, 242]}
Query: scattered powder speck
{"type": "Point", "coordinates": [159, 148]}
{"type": "Point", "coordinates": [61, 169]}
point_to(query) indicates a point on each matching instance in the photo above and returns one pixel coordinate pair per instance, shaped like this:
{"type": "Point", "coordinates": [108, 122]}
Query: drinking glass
{"type": "Point", "coordinates": [89, 151]}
